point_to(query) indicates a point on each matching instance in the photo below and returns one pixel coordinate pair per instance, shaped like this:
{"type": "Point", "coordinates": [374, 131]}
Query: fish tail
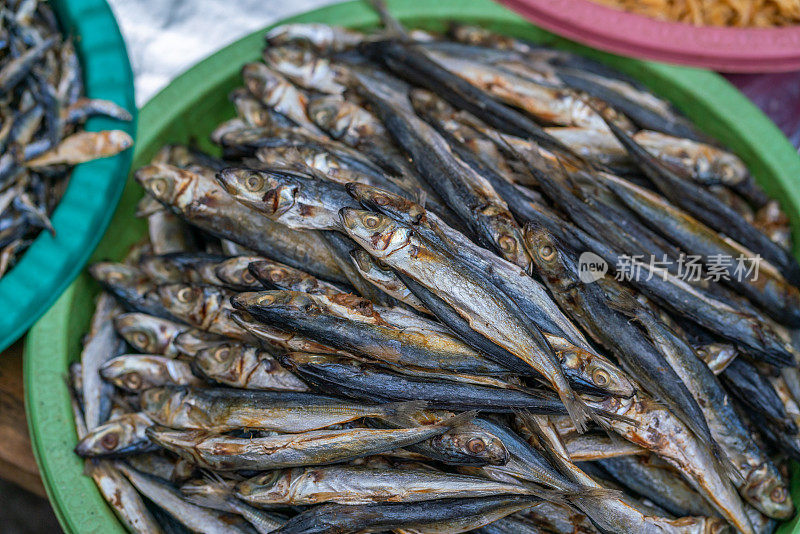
{"type": "Point", "coordinates": [460, 419]}
{"type": "Point", "coordinates": [578, 412]}
{"type": "Point", "coordinates": [621, 300]}
{"type": "Point", "coordinates": [586, 492]}
{"type": "Point", "coordinates": [399, 409]}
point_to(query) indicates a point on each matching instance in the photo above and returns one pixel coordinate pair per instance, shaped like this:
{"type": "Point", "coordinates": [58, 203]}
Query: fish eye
{"type": "Point", "coordinates": [381, 200]}
{"type": "Point", "coordinates": [266, 299]}
{"type": "Point", "coordinates": [159, 186]}
{"type": "Point", "coordinates": [222, 353]}
{"type": "Point", "coordinates": [140, 339]}
{"type": "Point", "coordinates": [372, 221]}
{"type": "Point", "coordinates": [115, 276]}
{"type": "Point", "coordinates": [109, 441]}
{"type": "Point", "coordinates": [276, 275]}
{"type": "Point", "coordinates": [185, 294]}
{"type": "Point", "coordinates": [476, 445]}
{"type": "Point", "coordinates": [778, 495]}
{"type": "Point", "coordinates": [132, 381]}
{"type": "Point", "coordinates": [601, 377]}
{"type": "Point", "coordinates": [254, 182]}
{"type": "Point", "coordinates": [507, 244]}
{"type": "Point", "coordinates": [248, 277]}
{"type": "Point", "coordinates": [547, 252]}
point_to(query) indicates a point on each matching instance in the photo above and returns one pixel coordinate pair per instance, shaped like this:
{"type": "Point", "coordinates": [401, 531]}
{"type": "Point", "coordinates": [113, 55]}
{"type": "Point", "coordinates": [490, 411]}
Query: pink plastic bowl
{"type": "Point", "coordinates": [722, 49]}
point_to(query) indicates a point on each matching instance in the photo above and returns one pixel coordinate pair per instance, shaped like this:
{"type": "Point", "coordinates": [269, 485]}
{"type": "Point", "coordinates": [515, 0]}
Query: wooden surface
{"type": "Point", "coordinates": [16, 457]}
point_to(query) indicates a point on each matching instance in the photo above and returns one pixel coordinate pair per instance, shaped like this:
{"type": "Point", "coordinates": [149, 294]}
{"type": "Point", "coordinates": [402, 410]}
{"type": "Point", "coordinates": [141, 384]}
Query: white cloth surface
{"type": "Point", "coordinates": [166, 37]}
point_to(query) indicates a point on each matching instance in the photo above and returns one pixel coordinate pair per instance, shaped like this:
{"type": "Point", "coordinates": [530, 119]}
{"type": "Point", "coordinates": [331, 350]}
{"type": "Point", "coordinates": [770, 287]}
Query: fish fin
{"type": "Point", "coordinates": [726, 465]}
{"type": "Point", "coordinates": [421, 197]}
{"type": "Point", "coordinates": [89, 466]}
{"type": "Point", "coordinates": [222, 502]}
{"type": "Point", "coordinates": [212, 476]}
{"type": "Point", "coordinates": [550, 495]}
{"type": "Point", "coordinates": [460, 419]}
{"type": "Point", "coordinates": [400, 409]}
{"type": "Point", "coordinates": [221, 490]}
{"type": "Point", "coordinates": [392, 26]}
{"type": "Point", "coordinates": [606, 416]}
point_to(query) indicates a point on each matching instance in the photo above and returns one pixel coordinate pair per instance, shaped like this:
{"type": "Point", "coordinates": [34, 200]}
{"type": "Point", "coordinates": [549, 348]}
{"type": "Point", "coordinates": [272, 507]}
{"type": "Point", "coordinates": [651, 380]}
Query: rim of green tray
{"type": "Point", "coordinates": [52, 262]}
{"type": "Point", "coordinates": [54, 341]}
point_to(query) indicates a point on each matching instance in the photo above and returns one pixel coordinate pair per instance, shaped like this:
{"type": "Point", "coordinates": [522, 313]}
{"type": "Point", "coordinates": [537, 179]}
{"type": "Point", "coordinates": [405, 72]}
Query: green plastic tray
{"type": "Point", "coordinates": [195, 102]}
{"type": "Point", "coordinates": [83, 214]}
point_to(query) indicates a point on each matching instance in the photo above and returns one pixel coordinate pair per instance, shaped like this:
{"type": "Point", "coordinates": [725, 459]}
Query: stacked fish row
{"type": "Point", "coordinates": [42, 110]}
{"type": "Point", "coordinates": [368, 315]}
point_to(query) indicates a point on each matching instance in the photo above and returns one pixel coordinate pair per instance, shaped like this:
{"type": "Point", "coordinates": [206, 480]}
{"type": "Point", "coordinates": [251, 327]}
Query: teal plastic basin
{"type": "Point", "coordinates": [83, 214]}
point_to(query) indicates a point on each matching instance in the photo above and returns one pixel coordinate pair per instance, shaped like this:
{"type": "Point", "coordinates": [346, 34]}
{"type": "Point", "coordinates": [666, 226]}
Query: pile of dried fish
{"type": "Point", "coordinates": [42, 110]}
{"type": "Point", "coordinates": [375, 311]}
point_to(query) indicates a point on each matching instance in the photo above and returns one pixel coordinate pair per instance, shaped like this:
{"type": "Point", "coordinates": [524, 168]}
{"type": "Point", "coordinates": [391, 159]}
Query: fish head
{"type": "Point", "coordinates": [376, 233]}
{"type": "Point", "coordinates": [330, 114]}
{"type": "Point", "coordinates": [218, 360]}
{"type": "Point", "coordinates": [175, 440]}
{"type": "Point", "coordinates": [145, 333]}
{"type": "Point", "coordinates": [235, 272]}
{"type": "Point", "coordinates": [192, 340]}
{"type": "Point", "coordinates": [473, 445]}
{"type": "Point", "coordinates": [321, 37]}
{"type": "Point", "coordinates": [261, 80]}
{"type": "Point", "coordinates": [274, 485]}
{"type": "Point", "coordinates": [387, 203]}
{"type": "Point", "coordinates": [161, 270]}
{"type": "Point", "coordinates": [280, 276]}
{"type": "Point", "coordinates": [290, 56]}
{"type": "Point", "coordinates": [164, 182]}
{"type": "Point", "coordinates": [596, 372]}
{"type": "Point", "coordinates": [134, 373]}
{"type": "Point", "coordinates": [764, 486]}
{"type": "Point", "coordinates": [544, 250]}
{"type": "Point", "coordinates": [297, 154]}
{"type": "Point", "coordinates": [728, 168]}
{"type": "Point", "coordinates": [272, 194]}
{"type": "Point", "coordinates": [287, 302]}
{"type": "Point", "coordinates": [115, 274]}
{"type": "Point", "coordinates": [162, 404]}
{"type": "Point", "coordinates": [118, 140]}
{"type": "Point", "coordinates": [183, 300]}
{"type": "Point", "coordinates": [110, 438]}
